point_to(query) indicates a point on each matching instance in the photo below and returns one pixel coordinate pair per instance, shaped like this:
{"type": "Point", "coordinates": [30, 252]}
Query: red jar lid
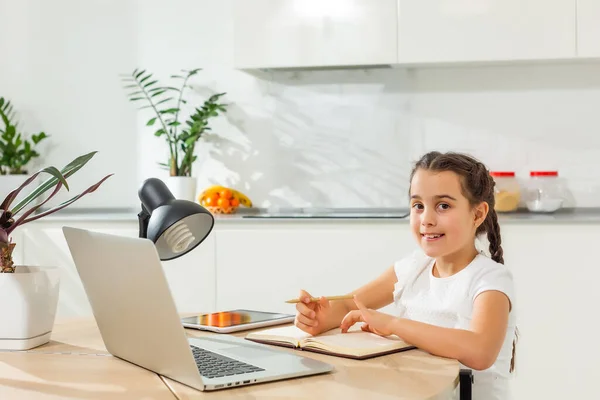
{"type": "Point", "coordinates": [543, 173]}
{"type": "Point", "coordinates": [502, 173]}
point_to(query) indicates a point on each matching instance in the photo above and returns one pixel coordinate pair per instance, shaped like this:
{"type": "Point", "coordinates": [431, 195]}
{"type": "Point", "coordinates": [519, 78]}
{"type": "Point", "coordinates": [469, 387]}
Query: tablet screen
{"type": "Point", "coordinates": [233, 318]}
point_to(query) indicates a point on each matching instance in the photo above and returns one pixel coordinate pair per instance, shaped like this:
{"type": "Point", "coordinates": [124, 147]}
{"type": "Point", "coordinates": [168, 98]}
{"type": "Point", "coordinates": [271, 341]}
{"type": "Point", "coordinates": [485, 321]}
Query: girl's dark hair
{"type": "Point", "coordinates": [477, 186]}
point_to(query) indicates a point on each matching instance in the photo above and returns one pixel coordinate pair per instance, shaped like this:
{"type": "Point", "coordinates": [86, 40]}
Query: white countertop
{"type": "Point", "coordinates": [578, 215]}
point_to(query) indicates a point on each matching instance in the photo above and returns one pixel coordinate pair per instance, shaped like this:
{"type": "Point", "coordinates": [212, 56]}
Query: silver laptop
{"type": "Point", "coordinates": [139, 323]}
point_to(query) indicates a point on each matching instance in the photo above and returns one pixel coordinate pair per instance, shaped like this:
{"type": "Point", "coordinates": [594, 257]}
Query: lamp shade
{"type": "Point", "coordinates": [174, 226]}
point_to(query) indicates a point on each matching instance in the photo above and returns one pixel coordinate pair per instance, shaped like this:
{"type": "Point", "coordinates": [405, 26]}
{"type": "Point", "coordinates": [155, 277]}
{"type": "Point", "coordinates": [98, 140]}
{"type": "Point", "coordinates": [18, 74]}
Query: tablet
{"type": "Point", "coordinates": [235, 320]}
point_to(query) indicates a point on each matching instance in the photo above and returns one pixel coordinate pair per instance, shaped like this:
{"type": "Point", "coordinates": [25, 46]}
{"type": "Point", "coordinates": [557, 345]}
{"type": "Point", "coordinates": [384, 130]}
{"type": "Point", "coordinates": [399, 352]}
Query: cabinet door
{"type": "Point", "coordinates": [261, 269]}
{"type": "Point", "coordinates": [305, 33]}
{"type": "Point", "coordinates": [556, 281]}
{"type": "Point", "coordinates": [485, 30]}
{"type": "Point", "coordinates": [190, 277]}
{"type": "Point", "coordinates": [588, 28]}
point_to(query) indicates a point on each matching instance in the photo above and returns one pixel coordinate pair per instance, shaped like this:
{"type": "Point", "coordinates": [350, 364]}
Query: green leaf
{"type": "Point", "coordinates": [151, 121]}
{"type": "Point", "coordinates": [145, 78]}
{"type": "Point", "coordinates": [156, 89]}
{"type": "Point", "coordinates": [150, 84]}
{"type": "Point", "coordinates": [163, 101]}
{"type": "Point", "coordinates": [67, 171]}
{"type": "Point", "coordinates": [38, 138]}
{"type": "Point", "coordinates": [191, 140]}
{"type": "Point", "coordinates": [62, 205]}
{"type": "Point", "coordinates": [138, 74]}
{"type": "Point", "coordinates": [158, 93]}
{"type": "Point", "coordinates": [170, 111]}
{"type": "Point", "coordinates": [13, 195]}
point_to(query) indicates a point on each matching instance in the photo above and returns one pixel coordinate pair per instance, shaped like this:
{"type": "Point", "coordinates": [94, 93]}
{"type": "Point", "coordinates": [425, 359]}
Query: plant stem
{"type": "Point", "coordinates": [162, 122]}
{"type": "Point", "coordinates": [6, 260]}
{"type": "Point", "coordinates": [177, 116]}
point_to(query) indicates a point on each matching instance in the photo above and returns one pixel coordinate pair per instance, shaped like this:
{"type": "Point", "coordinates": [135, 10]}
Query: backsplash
{"type": "Point", "coordinates": [349, 138]}
{"type": "Point", "coordinates": [342, 138]}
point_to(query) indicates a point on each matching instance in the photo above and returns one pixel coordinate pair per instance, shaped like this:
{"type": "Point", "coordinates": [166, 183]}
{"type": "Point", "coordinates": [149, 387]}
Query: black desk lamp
{"type": "Point", "coordinates": [174, 226]}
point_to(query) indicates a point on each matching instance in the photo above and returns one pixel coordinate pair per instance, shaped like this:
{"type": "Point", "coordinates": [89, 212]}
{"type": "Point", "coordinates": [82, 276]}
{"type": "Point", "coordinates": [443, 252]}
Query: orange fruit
{"type": "Point", "coordinates": [210, 200]}
{"type": "Point", "coordinates": [223, 202]}
{"type": "Point", "coordinates": [225, 194]}
{"type": "Point", "coordinates": [234, 202]}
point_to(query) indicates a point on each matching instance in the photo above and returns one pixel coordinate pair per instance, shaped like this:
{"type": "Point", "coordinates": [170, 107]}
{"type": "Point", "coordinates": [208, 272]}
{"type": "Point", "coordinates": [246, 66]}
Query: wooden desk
{"type": "Point", "coordinates": [25, 376]}
{"type": "Point", "coordinates": [76, 365]}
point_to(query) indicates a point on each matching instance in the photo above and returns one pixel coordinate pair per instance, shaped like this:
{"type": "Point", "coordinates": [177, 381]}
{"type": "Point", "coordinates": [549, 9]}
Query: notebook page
{"type": "Point", "coordinates": [358, 340]}
{"type": "Point", "coordinates": [284, 331]}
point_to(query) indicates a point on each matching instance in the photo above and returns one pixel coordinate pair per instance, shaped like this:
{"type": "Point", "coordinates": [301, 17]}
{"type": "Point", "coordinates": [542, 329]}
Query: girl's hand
{"type": "Point", "coordinates": [312, 317]}
{"type": "Point", "coordinates": [375, 321]}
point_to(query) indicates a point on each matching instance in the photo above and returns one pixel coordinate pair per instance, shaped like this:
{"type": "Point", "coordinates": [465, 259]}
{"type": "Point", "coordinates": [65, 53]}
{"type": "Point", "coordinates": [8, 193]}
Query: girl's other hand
{"type": "Point", "coordinates": [312, 317]}
{"type": "Point", "coordinates": [374, 321]}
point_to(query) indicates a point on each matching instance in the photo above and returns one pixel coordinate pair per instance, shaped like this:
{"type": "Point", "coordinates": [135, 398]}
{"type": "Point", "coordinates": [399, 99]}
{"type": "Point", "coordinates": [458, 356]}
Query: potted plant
{"type": "Point", "coordinates": [30, 293]}
{"type": "Point", "coordinates": [167, 105]}
{"type": "Point", "coordinates": [17, 149]}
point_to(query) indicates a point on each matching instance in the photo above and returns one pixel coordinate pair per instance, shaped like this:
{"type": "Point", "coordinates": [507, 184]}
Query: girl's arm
{"type": "Point", "coordinates": [476, 348]}
{"type": "Point", "coordinates": [376, 294]}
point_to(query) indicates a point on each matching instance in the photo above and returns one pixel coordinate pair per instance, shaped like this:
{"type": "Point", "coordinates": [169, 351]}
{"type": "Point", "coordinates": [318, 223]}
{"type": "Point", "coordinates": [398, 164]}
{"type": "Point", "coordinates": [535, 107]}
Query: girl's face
{"type": "Point", "coordinates": [442, 219]}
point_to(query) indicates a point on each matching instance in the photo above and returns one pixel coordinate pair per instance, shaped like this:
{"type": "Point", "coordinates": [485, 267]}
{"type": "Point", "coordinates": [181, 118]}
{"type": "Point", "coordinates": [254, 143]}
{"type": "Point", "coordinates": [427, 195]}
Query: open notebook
{"type": "Point", "coordinates": [355, 344]}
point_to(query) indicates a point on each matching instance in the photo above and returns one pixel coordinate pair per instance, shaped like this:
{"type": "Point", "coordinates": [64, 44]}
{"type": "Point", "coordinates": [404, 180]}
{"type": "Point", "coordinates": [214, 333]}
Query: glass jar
{"type": "Point", "coordinates": [507, 191]}
{"type": "Point", "coordinates": [544, 192]}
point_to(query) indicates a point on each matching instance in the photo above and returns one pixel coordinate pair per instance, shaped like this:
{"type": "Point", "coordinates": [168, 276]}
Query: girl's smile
{"type": "Point", "coordinates": [432, 237]}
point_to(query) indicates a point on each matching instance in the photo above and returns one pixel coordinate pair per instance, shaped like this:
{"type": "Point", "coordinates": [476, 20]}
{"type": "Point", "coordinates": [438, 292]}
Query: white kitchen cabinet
{"type": "Point", "coordinates": [588, 28]}
{"type": "Point", "coordinates": [190, 277]}
{"type": "Point", "coordinates": [486, 30]}
{"type": "Point", "coordinates": [261, 268]}
{"type": "Point", "coordinates": [309, 33]}
{"type": "Point", "coordinates": [556, 278]}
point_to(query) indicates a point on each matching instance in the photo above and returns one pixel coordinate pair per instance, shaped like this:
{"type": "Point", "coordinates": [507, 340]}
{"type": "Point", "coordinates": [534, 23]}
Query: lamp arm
{"type": "Point", "coordinates": [143, 219]}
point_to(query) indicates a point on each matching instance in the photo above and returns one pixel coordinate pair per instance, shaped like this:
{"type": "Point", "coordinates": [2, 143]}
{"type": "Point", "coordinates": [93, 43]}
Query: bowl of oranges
{"type": "Point", "coordinates": [223, 200]}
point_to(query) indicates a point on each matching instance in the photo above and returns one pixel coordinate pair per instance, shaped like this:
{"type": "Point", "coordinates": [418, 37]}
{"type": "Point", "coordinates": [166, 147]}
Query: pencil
{"type": "Point", "coordinates": [314, 299]}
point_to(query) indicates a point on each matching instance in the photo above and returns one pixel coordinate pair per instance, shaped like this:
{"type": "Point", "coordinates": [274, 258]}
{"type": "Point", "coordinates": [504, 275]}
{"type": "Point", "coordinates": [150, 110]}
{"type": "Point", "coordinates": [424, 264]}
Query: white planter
{"type": "Point", "coordinates": [28, 300]}
{"type": "Point", "coordinates": [182, 187]}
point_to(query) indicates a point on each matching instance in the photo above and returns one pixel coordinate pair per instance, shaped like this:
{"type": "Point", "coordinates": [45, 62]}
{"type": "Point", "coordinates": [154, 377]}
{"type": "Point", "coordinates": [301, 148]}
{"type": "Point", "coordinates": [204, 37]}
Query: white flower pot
{"type": "Point", "coordinates": [28, 300]}
{"type": "Point", "coordinates": [182, 187]}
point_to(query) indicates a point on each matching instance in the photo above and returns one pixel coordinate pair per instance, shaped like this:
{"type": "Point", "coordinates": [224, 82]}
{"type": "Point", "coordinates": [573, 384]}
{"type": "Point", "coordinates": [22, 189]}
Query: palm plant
{"type": "Point", "coordinates": [9, 212]}
{"type": "Point", "coordinates": [167, 103]}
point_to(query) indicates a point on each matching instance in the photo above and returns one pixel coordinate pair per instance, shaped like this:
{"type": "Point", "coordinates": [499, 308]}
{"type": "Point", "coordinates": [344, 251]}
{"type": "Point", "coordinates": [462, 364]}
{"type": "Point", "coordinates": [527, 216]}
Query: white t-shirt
{"type": "Point", "coordinates": [448, 302]}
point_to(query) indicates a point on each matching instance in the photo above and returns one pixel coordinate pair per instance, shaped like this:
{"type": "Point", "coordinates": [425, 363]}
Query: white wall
{"type": "Point", "coordinates": [59, 65]}
{"type": "Point", "coordinates": [323, 138]}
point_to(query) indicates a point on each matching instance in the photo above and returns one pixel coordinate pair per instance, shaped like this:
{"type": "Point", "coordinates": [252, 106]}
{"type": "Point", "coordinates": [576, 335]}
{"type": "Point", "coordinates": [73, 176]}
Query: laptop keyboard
{"type": "Point", "coordinates": [213, 365]}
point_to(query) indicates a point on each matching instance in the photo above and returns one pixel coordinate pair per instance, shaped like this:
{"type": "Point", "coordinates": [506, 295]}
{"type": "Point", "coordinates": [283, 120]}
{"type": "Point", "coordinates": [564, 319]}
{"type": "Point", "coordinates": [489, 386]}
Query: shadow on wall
{"type": "Point", "coordinates": [313, 145]}
{"type": "Point", "coordinates": [257, 162]}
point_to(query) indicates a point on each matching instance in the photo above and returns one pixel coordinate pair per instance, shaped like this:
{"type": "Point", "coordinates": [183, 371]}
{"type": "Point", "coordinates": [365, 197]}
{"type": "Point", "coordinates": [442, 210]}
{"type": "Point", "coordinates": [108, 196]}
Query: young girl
{"type": "Point", "coordinates": [453, 301]}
